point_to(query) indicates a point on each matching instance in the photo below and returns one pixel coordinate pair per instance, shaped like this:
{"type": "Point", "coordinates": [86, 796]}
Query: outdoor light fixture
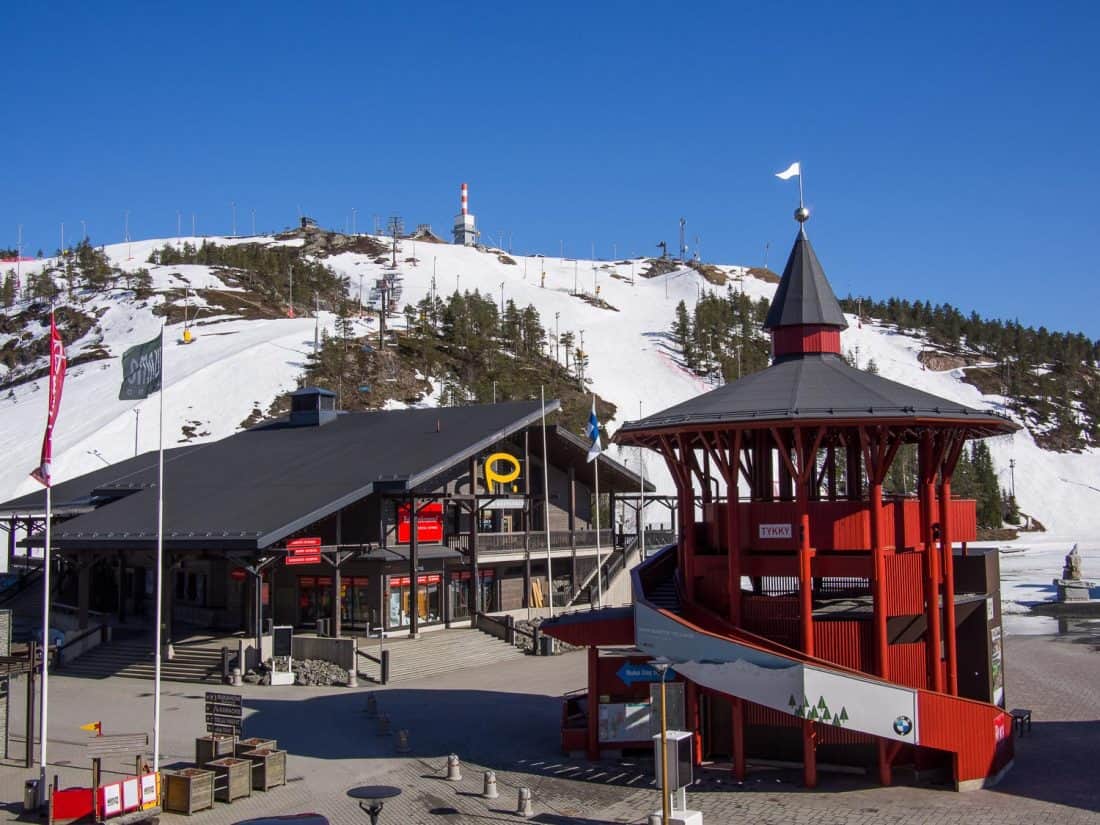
{"type": "Point", "coordinates": [661, 665]}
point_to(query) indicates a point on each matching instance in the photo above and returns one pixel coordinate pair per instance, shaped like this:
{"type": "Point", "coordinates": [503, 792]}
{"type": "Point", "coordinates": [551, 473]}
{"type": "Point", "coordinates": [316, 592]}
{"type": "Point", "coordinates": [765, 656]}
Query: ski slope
{"type": "Point", "coordinates": [235, 366]}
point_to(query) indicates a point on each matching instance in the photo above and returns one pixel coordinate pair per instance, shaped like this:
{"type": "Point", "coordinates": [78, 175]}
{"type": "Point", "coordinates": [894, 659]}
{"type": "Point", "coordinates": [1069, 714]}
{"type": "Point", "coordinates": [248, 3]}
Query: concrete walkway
{"type": "Point", "coordinates": [506, 717]}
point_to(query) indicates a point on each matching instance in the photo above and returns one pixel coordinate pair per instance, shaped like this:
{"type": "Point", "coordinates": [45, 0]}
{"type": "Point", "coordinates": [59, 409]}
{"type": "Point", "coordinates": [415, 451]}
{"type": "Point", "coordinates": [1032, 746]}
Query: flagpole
{"type": "Point", "coordinates": [599, 555]}
{"type": "Point", "coordinates": [160, 570]}
{"type": "Point", "coordinates": [801, 205]}
{"type": "Point", "coordinates": [546, 506]}
{"type": "Point", "coordinates": [45, 640]}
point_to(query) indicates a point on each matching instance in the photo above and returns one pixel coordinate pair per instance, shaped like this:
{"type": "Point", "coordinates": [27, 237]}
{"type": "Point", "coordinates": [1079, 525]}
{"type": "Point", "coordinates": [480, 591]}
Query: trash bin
{"type": "Point", "coordinates": [30, 796]}
{"type": "Point", "coordinates": [546, 645]}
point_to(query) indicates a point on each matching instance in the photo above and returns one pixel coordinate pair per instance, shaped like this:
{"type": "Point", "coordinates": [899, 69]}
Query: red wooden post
{"type": "Point", "coordinates": [933, 635]}
{"type": "Point", "coordinates": [950, 636]}
{"type": "Point", "coordinates": [691, 711]}
{"type": "Point", "coordinates": [733, 530]}
{"type": "Point", "coordinates": [738, 739]}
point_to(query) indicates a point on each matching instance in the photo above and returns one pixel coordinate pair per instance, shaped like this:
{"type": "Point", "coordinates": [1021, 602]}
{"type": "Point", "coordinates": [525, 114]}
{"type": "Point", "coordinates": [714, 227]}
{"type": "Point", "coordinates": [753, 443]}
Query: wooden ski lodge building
{"type": "Point", "coordinates": [404, 519]}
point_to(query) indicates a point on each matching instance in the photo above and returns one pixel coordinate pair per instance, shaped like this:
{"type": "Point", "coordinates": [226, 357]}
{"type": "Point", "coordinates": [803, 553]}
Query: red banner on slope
{"type": "Point", "coordinates": [57, 381]}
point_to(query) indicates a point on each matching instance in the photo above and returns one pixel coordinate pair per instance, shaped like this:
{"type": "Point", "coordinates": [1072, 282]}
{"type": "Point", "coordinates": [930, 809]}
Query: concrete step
{"type": "Point", "coordinates": [438, 652]}
{"type": "Point", "coordinates": [133, 658]}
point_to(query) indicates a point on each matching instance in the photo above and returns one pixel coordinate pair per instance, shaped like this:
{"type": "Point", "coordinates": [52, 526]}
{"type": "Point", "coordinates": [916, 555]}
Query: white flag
{"type": "Point", "coordinates": [791, 171]}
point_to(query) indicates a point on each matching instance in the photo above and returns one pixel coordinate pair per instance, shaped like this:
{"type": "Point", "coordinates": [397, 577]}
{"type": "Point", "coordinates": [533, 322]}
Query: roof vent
{"type": "Point", "coordinates": [312, 407]}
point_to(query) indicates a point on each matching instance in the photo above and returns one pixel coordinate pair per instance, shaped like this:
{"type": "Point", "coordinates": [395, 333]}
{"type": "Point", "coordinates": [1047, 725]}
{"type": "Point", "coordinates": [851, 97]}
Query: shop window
{"type": "Point", "coordinates": [429, 600]}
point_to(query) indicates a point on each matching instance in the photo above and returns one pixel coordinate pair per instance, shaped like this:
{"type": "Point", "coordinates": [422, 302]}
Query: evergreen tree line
{"type": "Point", "coordinates": [81, 269]}
{"type": "Point", "coordinates": [722, 334]}
{"type": "Point", "coordinates": [266, 270]}
{"type": "Point", "coordinates": [1049, 378]}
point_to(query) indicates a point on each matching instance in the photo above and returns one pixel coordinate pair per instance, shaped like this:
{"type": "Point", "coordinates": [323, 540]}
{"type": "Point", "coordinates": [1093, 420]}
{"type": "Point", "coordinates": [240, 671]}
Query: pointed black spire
{"type": "Point", "coordinates": [804, 297]}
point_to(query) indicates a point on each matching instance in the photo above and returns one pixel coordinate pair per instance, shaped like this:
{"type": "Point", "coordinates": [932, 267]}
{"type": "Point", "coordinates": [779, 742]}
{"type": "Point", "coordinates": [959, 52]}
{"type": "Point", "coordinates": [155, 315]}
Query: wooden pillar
{"type": "Point", "coordinates": [475, 518]}
{"type": "Point", "coordinates": [693, 719]}
{"type": "Point", "coordinates": [83, 591]}
{"type": "Point", "coordinates": [738, 739]}
{"type": "Point", "coordinates": [853, 471]}
{"type": "Point", "coordinates": [950, 631]}
{"type": "Point", "coordinates": [830, 471]}
{"type": "Point", "coordinates": [805, 590]}
{"type": "Point", "coordinates": [933, 635]}
{"type": "Point", "coordinates": [11, 540]}
{"type": "Point", "coordinates": [593, 702]}
{"type": "Point", "coordinates": [337, 607]}
{"type": "Point", "coordinates": [414, 563]}
{"type": "Point", "coordinates": [121, 586]}
{"type": "Point", "coordinates": [733, 530]}
{"type": "Point", "coordinates": [527, 518]}
{"type": "Point", "coordinates": [878, 582]}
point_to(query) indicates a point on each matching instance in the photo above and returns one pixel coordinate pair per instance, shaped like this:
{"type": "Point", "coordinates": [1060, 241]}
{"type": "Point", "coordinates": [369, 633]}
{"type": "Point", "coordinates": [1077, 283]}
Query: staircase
{"type": "Point", "coordinates": [132, 657]}
{"type": "Point", "coordinates": [441, 651]}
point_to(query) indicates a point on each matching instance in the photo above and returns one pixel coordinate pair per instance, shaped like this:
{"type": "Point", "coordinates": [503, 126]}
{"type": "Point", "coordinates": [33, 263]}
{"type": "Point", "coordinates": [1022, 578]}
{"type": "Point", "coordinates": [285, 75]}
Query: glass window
{"type": "Point", "coordinates": [429, 600]}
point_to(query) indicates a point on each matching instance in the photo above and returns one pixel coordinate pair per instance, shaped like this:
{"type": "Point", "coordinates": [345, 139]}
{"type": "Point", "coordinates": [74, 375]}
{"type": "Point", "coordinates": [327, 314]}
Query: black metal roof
{"type": "Point", "coordinates": [804, 296]}
{"type": "Point", "coordinates": [256, 487]}
{"type": "Point", "coordinates": [812, 387]}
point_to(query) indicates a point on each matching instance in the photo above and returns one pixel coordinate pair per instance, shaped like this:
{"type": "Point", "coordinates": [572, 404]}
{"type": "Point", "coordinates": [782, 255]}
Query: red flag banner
{"type": "Point", "coordinates": [57, 381]}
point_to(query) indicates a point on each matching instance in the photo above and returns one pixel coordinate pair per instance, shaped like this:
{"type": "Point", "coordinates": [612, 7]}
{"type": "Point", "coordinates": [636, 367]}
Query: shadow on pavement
{"type": "Point", "coordinates": [1056, 762]}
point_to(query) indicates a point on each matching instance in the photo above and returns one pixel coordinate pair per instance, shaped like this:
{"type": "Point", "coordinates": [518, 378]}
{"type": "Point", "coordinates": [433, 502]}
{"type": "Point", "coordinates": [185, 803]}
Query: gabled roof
{"type": "Point", "coordinates": [812, 387]}
{"type": "Point", "coordinates": [804, 297]}
{"type": "Point", "coordinates": [256, 487]}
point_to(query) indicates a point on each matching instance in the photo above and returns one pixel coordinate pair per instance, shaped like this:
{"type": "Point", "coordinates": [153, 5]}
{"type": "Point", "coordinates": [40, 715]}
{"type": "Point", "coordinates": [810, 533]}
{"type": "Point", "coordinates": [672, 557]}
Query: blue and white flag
{"type": "Point", "coordinates": [594, 433]}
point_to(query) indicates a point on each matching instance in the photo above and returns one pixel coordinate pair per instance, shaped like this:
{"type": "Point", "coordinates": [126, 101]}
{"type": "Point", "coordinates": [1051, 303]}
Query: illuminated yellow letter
{"type": "Point", "coordinates": [492, 475]}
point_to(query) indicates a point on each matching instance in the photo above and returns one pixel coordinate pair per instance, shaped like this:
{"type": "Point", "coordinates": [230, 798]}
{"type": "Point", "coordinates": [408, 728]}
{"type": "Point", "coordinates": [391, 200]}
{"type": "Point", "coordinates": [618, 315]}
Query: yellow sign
{"type": "Point", "coordinates": [95, 726]}
{"type": "Point", "coordinates": [491, 475]}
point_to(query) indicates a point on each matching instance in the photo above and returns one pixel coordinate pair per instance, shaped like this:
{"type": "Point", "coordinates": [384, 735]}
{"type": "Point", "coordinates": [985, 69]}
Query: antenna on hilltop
{"type": "Point", "coordinates": [683, 247]}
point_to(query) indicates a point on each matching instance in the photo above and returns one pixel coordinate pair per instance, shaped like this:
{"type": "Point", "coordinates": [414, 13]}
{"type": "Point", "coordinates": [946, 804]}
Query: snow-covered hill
{"type": "Point", "coordinates": [235, 365]}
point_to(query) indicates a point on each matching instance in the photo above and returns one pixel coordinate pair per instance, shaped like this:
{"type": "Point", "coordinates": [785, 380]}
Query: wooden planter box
{"type": "Point", "coordinates": [188, 790]}
{"type": "Point", "coordinates": [232, 778]}
{"type": "Point", "coordinates": [268, 768]}
{"type": "Point", "coordinates": [211, 747]}
{"type": "Point", "coordinates": [251, 744]}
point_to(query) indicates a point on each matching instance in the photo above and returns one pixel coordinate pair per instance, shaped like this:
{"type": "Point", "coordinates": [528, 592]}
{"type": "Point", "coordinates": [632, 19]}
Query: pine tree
{"type": "Point", "coordinates": [681, 331]}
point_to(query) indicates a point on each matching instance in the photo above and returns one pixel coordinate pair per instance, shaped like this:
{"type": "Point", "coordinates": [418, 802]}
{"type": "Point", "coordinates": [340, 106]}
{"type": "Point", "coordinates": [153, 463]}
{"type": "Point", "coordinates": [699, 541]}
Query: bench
{"type": "Point", "coordinates": [1021, 720]}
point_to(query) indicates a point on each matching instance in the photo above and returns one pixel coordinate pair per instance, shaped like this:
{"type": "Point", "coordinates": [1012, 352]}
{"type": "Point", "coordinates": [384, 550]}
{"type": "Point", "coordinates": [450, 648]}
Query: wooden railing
{"type": "Point", "coordinates": [514, 542]}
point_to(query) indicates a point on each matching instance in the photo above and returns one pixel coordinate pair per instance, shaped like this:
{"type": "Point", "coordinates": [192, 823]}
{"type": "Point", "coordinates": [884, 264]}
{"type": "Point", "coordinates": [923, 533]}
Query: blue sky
{"type": "Point", "coordinates": [949, 149]}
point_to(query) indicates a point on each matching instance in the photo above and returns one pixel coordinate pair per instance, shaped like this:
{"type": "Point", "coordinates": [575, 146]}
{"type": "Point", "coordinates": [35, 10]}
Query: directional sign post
{"type": "Point", "coordinates": [224, 713]}
{"type": "Point", "coordinates": [630, 673]}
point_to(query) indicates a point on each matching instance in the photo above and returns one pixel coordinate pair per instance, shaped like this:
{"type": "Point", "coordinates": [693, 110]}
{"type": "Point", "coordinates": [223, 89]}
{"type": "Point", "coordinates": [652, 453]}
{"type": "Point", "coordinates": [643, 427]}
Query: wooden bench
{"type": "Point", "coordinates": [1021, 720]}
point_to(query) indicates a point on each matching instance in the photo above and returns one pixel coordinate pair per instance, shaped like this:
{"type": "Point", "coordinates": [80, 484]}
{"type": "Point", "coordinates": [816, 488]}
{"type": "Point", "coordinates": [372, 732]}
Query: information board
{"type": "Point", "coordinates": [224, 713]}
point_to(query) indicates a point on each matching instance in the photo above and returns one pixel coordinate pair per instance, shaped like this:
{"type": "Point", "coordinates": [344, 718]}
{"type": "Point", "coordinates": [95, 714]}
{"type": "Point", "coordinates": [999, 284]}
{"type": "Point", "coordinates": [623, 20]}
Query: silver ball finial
{"type": "Point", "coordinates": [802, 214]}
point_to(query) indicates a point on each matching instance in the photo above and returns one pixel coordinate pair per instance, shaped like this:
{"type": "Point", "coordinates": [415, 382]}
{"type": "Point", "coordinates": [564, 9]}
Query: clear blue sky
{"type": "Point", "coordinates": [949, 149]}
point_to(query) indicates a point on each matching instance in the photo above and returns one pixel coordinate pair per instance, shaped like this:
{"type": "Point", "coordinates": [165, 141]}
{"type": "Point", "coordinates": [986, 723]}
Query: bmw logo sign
{"type": "Point", "coordinates": [902, 725]}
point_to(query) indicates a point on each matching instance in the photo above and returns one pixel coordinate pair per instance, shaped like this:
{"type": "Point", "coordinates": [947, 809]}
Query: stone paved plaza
{"type": "Point", "coordinates": [506, 718]}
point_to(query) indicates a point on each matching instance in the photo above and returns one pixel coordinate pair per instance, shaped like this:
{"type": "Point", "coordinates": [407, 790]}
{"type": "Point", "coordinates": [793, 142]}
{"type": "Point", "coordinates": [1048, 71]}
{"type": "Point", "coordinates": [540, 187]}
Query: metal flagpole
{"type": "Point", "coordinates": [45, 641]}
{"type": "Point", "coordinates": [160, 570]}
{"type": "Point", "coordinates": [546, 506]}
{"type": "Point", "coordinates": [800, 204]}
{"type": "Point", "coordinates": [599, 554]}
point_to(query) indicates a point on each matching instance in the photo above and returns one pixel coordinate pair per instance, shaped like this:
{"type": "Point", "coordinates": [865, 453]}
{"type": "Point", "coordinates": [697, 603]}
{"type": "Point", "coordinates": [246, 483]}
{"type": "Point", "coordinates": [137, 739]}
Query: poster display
{"type": "Point", "coordinates": [624, 722]}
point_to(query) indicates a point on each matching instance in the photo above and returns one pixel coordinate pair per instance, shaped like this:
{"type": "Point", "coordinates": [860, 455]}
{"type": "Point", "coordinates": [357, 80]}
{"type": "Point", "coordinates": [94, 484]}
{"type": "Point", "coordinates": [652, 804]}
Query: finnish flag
{"type": "Point", "coordinates": [594, 433]}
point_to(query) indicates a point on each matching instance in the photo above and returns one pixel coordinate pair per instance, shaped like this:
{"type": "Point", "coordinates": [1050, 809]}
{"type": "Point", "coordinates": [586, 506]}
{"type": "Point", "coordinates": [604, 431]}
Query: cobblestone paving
{"type": "Point", "coordinates": [506, 719]}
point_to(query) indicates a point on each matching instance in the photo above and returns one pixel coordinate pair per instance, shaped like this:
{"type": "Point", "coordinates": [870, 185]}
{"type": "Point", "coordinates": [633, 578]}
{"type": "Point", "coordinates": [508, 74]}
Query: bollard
{"type": "Point", "coordinates": [383, 724]}
{"type": "Point", "coordinates": [372, 706]}
{"type": "Point", "coordinates": [237, 681]}
{"type": "Point", "coordinates": [523, 806]}
{"type": "Point", "coordinates": [535, 636]}
{"type": "Point", "coordinates": [654, 819]}
{"type": "Point", "coordinates": [403, 741]}
{"type": "Point", "coordinates": [385, 657]}
{"type": "Point", "coordinates": [489, 789]}
{"type": "Point", "coordinates": [353, 678]}
{"type": "Point", "coordinates": [454, 770]}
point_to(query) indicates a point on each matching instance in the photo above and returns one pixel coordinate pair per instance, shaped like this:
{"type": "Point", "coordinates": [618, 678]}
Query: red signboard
{"type": "Point", "coordinates": [429, 523]}
{"type": "Point", "coordinates": [304, 558]}
{"type": "Point", "coordinates": [427, 578]}
{"type": "Point", "coordinates": [238, 575]}
{"type": "Point", "coordinates": [308, 543]}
